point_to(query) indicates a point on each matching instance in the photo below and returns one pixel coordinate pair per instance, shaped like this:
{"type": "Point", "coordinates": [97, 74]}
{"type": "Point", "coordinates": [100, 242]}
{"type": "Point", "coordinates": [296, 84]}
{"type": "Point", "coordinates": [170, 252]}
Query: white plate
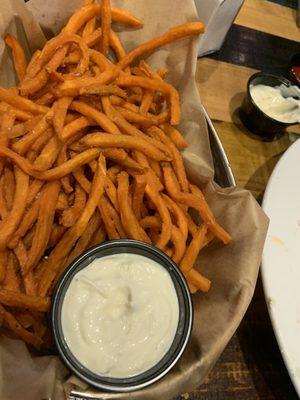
{"type": "Point", "coordinates": [281, 258]}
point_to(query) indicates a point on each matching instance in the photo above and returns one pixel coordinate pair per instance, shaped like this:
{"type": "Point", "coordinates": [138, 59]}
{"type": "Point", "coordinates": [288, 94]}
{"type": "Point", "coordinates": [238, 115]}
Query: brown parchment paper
{"type": "Point", "coordinates": [233, 268]}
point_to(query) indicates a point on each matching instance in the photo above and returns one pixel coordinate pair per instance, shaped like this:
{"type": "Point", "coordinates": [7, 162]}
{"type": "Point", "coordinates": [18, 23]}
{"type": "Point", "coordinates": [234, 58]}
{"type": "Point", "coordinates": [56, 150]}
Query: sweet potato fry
{"type": "Point", "coordinates": [138, 194]}
{"type": "Point", "coordinates": [21, 102]}
{"type": "Point", "coordinates": [197, 243]}
{"type": "Point", "coordinates": [18, 55]}
{"type": "Point", "coordinates": [177, 161]}
{"type": "Point", "coordinates": [162, 209]}
{"type": "Point", "coordinates": [17, 328]}
{"type": "Point", "coordinates": [9, 186]}
{"type": "Point", "coordinates": [195, 201]}
{"type": "Point", "coordinates": [84, 240]}
{"type": "Point", "coordinates": [128, 218]}
{"type": "Point", "coordinates": [105, 26]}
{"type": "Point", "coordinates": [107, 219]}
{"type": "Point", "coordinates": [60, 110]}
{"type": "Point", "coordinates": [70, 215]}
{"type": "Point", "coordinates": [14, 217]}
{"type": "Point", "coordinates": [27, 222]}
{"type": "Point", "coordinates": [23, 127]}
{"type": "Point", "coordinates": [104, 140]}
{"type": "Point", "coordinates": [86, 13]}
{"type": "Point", "coordinates": [199, 281]}
{"type": "Point", "coordinates": [47, 206]}
{"type": "Point", "coordinates": [24, 144]}
{"type": "Point", "coordinates": [48, 155]}
{"type": "Point", "coordinates": [21, 300]}
{"type": "Point", "coordinates": [7, 122]}
{"type": "Point", "coordinates": [175, 136]}
{"type": "Point", "coordinates": [3, 264]}
{"type": "Point", "coordinates": [51, 266]}
{"type": "Point", "coordinates": [157, 85]}
{"type": "Point", "coordinates": [12, 280]}
{"type": "Point", "coordinates": [96, 115]}
{"type": "Point", "coordinates": [188, 29]}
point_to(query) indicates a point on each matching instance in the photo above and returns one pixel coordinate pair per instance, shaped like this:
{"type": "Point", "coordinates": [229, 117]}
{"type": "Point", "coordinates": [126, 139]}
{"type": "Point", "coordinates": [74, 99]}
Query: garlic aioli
{"type": "Point", "coordinates": [278, 102]}
{"type": "Point", "coordinates": [120, 315]}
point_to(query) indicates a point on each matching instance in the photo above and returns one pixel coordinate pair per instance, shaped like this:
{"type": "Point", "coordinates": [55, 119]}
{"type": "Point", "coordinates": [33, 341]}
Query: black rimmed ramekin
{"type": "Point", "coordinates": [183, 329]}
{"type": "Point", "coordinates": [256, 120]}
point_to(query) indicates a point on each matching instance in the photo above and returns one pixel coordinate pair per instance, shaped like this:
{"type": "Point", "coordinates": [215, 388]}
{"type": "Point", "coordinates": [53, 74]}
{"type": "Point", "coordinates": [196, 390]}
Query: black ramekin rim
{"type": "Point", "coordinates": [281, 79]}
{"type": "Point", "coordinates": [183, 330]}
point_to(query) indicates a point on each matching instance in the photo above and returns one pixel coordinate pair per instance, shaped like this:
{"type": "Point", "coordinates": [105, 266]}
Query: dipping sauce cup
{"type": "Point", "coordinates": [172, 279]}
{"type": "Point", "coordinates": [253, 117]}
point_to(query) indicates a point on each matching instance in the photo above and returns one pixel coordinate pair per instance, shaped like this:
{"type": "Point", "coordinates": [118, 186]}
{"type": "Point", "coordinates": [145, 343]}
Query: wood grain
{"type": "Point", "coordinates": [269, 17]}
{"type": "Point", "coordinates": [220, 94]}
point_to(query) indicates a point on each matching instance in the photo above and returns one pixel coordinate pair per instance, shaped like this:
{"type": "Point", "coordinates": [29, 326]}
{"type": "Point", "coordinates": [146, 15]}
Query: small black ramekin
{"type": "Point", "coordinates": [253, 117]}
{"type": "Point", "coordinates": [183, 329]}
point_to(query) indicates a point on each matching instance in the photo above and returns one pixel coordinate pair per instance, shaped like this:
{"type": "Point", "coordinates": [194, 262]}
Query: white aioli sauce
{"type": "Point", "coordinates": [278, 102]}
{"type": "Point", "coordinates": [120, 315]}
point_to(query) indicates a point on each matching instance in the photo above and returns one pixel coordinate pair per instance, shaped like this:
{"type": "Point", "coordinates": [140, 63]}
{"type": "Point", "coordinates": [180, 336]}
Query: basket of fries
{"type": "Point", "coordinates": [103, 137]}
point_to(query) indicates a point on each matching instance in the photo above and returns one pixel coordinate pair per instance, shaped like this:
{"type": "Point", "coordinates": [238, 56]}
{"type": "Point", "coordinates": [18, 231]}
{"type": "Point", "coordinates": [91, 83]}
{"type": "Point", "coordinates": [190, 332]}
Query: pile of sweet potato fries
{"type": "Point", "coordinates": [88, 153]}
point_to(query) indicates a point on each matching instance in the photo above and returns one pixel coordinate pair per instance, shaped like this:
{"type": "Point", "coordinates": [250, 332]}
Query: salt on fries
{"type": "Point", "coordinates": [89, 152]}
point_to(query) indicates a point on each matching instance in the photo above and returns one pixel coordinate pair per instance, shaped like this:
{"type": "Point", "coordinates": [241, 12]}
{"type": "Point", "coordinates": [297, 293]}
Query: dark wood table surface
{"type": "Point", "coordinates": [264, 37]}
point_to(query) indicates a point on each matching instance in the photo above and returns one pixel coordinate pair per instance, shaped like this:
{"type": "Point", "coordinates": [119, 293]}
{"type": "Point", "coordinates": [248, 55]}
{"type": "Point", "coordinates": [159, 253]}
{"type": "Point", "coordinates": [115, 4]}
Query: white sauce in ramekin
{"type": "Point", "coordinates": [280, 102]}
{"type": "Point", "coordinates": [120, 315]}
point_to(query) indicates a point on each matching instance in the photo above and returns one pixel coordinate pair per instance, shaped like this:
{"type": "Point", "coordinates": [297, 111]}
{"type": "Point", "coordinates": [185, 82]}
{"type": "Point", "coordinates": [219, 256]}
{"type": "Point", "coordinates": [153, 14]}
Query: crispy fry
{"type": "Point", "coordinates": [3, 204]}
{"type": "Point", "coordinates": [48, 155]}
{"type": "Point", "coordinates": [190, 28]}
{"type": "Point", "coordinates": [97, 116]}
{"type": "Point", "coordinates": [20, 102]}
{"type": "Point", "coordinates": [104, 140]}
{"type": "Point", "coordinates": [107, 219]}
{"type": "Point", "coordinates": [23, 127]}
{"type": "Point", "coordinates": [17, 328]}
{"type": "Point", "coordinates": [74, 127]}
{"type": "Point", "coordinates": [51, 266]}
{"type": "Point", "coordinates": [18, 55]}
{"type": "Point", "coordinates": [53, 173]}
{"type": "Point", "coordinates": [34, 190]}
{"type": "Point", "coordinates": [27, 222]}
{"type": "Point", "coordinates": [86, 237]}
{"type": "Point", "coordinates": [12, 280]}
{"type": "Point", "coordinates": [70, 215]}
{"type": "Point", "coordinates": [195, 201]}
{"type": "Point", "coordinates": [177, 161]}
{"type": "Point", "coordinates": [86, 13]}
{"type": "Point", "coordinates": [98, 238]}
{"type": "Point", "coordinates": [156, 85]}
{"type": "Point", "coordinates": [105, 26]}
{"type": "Point", "coordinates": [43, 227]}
{"type": "Point", "coordinates": [138, 194]}
{"type": "Point", "coordinates": [21, 300]}
{"type": "Point", "coordinates": [25, 143]}
{"type": "Point", "coordinates": [128, 218]}
{"type": "Point", "coordinates": [9, 186]}
{"type": "Point", "coordinates": [175, 136]}
{"type": "Point", "coordinates": [162, 209]}
{"type": "Point", "coordinates": [179, 215]}
{"type": "Point", "coordinates": [111, 192]}
{"type": "Point", "coordinates": [7, 122]}
{"type": "Point", "coordinates": [3, 264]}
{"type": "Point", "coordinates": [14, 217]}
{"type": "Point", "coordinates": [199, 281]}
{"type": "Point", "coordinates": [60, 110]}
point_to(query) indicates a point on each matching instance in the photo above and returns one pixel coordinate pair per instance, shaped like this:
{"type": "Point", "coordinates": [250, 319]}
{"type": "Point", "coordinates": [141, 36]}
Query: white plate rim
{"type": "Point", "coordinates": [295, 380]}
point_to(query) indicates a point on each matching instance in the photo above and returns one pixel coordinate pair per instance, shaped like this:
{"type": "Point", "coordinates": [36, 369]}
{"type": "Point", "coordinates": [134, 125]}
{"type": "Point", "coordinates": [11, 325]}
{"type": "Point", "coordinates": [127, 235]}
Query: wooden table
{"type": "Point", "coordinates": [265, 36]}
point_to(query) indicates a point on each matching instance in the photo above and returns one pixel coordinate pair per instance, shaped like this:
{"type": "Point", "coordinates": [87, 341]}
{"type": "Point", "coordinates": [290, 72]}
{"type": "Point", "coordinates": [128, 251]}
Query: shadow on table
{"type": "Point", "coordinates": [261, 352]}
{"type": "Point", "coordinates": [257, 181]}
